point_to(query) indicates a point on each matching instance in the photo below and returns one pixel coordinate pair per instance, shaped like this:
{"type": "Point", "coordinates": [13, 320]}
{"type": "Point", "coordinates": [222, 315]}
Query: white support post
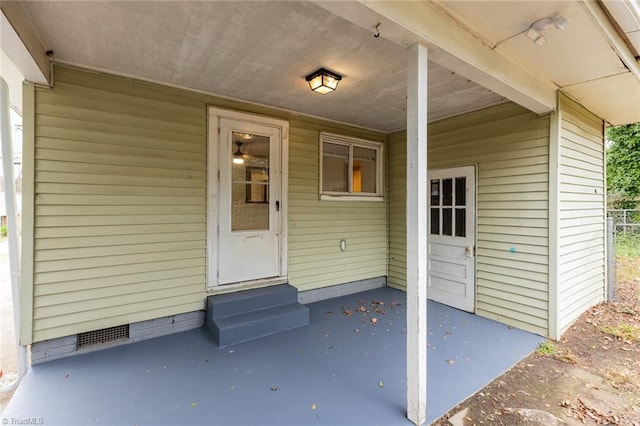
{"type": "Point", "coordinates": [12, 229]}
{"type": "Point", "coordinates": [417, 234]}
{"type": "Point", "coordinates": [555, 141]}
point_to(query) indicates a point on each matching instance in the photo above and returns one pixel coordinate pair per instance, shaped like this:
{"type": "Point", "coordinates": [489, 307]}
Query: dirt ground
{"type": "Point", "coordinates": [590, 377]}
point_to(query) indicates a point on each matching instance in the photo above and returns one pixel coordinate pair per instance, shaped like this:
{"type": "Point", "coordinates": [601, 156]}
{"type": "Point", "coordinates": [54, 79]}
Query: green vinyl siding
{"type": "Point", "coordinates": [120, 195]}
{"type": "Point", "coordinates": [510, 148]}
{"type": "Point", "coordinates": [397, 277]}
{"type": "Point", "coordinates": [582, 204]}
{"type": "Point", "coordinates": [120, 205]}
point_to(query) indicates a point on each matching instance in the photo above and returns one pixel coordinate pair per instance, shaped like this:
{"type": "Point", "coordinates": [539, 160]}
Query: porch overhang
{"type": "Point", "coordinates": [455, 43]}
{"type": "Point", "coordinates": [480, 50]}
{"type": "Point", "coordinates": [450, 46]}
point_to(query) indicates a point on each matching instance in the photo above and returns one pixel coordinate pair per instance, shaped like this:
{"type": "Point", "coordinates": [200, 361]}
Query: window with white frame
{"type": "Point", "coordinates": [350, 168]}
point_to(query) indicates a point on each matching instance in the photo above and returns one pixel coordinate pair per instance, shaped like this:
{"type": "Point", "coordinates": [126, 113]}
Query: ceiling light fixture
{"type": "Point", "coordinates": [238, 157]}
{"type": "Point", "coordinates": [534, 32]}
{"type": "Point", "coordinates": [247, 137]}
{"type": "Point", "coordinates": [323, 81]}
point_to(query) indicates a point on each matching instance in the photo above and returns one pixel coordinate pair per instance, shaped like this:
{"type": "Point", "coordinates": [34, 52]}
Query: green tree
{"type": "Point", "coordinates": [623, 164]}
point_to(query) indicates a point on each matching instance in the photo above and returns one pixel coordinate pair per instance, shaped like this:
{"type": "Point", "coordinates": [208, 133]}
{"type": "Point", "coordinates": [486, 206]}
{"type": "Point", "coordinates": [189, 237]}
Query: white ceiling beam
{"type": "Point", "coordinates": [451, 46]}
{"type": "Point", "coordinates": [21, 43]}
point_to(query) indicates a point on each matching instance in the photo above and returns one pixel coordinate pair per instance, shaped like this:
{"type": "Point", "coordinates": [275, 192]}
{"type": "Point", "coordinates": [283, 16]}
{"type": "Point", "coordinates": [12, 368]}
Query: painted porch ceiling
{"type": "Point", "coordinates": [254, 51]}
{"type": "Point", "coordinates": [260, 52]}
{"type": "Point", "coordinates": [579, 59]}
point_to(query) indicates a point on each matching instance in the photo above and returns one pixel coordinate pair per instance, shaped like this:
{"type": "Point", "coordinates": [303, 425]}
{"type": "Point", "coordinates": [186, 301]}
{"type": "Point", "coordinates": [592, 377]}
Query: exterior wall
{"type": "Point", "coordinates": [510, 147]}
{"type": "Point", "coordinates": [582, 212]}
{"type": "Point", "coordinates": [120, 203]}
{"type": "Point", "coordinates": [317, 226]}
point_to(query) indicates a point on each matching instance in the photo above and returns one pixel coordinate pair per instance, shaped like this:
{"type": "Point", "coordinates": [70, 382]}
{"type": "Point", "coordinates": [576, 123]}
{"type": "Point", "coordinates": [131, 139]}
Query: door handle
{"type": "Point", "coordinates": [277, 206]}
{"type": "Point", "coordinates": [469, 251]}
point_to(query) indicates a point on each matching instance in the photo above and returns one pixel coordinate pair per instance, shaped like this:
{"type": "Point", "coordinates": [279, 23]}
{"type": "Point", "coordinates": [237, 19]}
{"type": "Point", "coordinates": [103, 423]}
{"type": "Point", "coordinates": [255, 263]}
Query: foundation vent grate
{"type": "Point", "coordinates": [106, 335]}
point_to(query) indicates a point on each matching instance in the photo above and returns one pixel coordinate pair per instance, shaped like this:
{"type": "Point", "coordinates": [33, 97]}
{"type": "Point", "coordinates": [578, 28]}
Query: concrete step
{"type": "Point", "coordinates": [246, 315]}
{"type": "Point", "coordinates": [224, 305]}
{"type": "Point", "coordinates": [247, 326]}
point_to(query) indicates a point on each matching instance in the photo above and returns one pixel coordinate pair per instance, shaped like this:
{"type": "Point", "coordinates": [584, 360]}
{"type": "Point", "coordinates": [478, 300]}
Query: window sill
{"type": "Point", "coordinates": [328, 197]}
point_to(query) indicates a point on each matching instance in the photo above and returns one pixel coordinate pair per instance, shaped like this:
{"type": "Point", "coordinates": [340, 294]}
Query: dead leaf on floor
{"type": "Point", "coordinates": [450, 361]}
{"type": "Point", "coordinates": [313, 406]}
{"type": "Point", "coordinates": [379, 311]}
{"type": "Point", "coordinates": [347, 312]}
{"type": "Point", "coordinates": [374, 321]}
{"type": "Point", "coordinates": [377, 302]}
{"type": "Point", "coordinates": [329, 312]}
{"type": "Point", "coordinates": [380, 384]}
{"type": "Point", "coordinates": [274, 388]}
{"type": "Point", "coordinates": [357, 330]}
{"type": "Point", "coordinates": [362, 309]}
{"type": "Point", "coordinates": [393, 304]}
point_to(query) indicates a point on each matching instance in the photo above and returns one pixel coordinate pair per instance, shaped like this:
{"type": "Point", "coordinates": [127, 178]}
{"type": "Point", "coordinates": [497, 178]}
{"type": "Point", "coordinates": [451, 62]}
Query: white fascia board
{"type": "Point", "coordinates": [615, 40]}
{"type": "Point", "coordinates": [451, 46]}
{"type": "Point", "coordinates": [15, 49]}
{"type": "Point", "coordinates": [625, 13]}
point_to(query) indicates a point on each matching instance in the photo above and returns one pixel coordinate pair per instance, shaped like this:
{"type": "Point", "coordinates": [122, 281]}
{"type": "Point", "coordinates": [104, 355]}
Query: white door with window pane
{"type": "Point", "coordinates": [451, 241]}
{"type": "Point", "coordinates": [249, 237]}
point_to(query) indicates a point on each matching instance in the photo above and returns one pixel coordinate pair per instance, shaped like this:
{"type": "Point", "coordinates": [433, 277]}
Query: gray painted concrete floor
{"type": "Point", "coordinates": [340, 370]}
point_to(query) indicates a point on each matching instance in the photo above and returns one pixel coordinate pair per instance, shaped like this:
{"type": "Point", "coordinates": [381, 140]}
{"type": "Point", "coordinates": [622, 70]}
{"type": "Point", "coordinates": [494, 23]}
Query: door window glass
{"type": "Point", "coordinates": [249, 182]}
{"type": "Point", "coordinates": [448, 206]}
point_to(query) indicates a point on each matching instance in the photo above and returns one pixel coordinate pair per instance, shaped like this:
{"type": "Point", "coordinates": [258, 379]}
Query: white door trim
{"type": "Point", "coordinates": [213, 181]}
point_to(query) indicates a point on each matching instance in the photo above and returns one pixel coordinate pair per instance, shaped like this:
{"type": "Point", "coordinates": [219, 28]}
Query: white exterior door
{"type": "Point", "coordinates": [451, 241]}
{"type": "Point", "coordinates": [249, 201]}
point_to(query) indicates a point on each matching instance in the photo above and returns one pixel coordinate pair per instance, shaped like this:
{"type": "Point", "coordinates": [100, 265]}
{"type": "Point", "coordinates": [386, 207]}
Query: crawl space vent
{"type": "Point", "coordinates": [106, 335]}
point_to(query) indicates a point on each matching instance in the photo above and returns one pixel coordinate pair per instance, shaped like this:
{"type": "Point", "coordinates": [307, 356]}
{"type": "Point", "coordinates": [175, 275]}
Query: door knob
{"type": "Point", "coordinates": [469, 251]}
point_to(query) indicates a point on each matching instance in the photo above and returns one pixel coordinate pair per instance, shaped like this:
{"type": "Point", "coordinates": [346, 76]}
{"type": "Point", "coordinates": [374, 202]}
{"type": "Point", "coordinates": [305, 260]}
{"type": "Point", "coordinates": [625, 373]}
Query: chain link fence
{"type": "Point", "coordinates": [626, 220]}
